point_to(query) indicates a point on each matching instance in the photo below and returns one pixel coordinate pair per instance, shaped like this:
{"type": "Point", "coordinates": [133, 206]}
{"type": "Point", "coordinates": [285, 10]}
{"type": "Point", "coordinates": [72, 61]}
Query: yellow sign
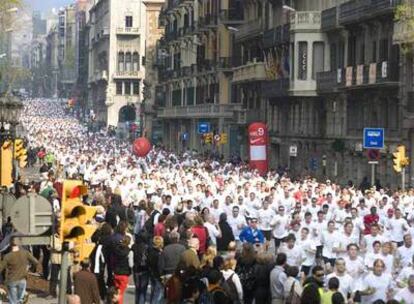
{"type": "Point", "coordinates": [6, 157]}
{"type": "Point", "coordinates": [223, 138]}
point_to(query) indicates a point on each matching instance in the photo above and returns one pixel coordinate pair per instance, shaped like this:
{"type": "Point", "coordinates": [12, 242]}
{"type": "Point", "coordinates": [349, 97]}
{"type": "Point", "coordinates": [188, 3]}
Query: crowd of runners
{"type": "Point", "coordinates": [194, 230]}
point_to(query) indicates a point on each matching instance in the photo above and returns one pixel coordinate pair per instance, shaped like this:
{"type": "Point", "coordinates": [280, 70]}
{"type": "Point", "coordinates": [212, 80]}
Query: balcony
{"type": "Point", "coordinates": [276, 36]}
{"type": "Point", "coordinates": [254, 71]}
{"type": "Point", "coordinates": [275, 88]}
{"type": "Point", "coordinates": [249, 29]}
{"type": "Point", "coordinates": [225, 63]}
{"type": "Point", "coordinates": [359, 10]}
{"type": "Point", "coordinates": [305, 21]}
{"type": "Point", "coordinates": [99, 75]}
{"type": "Point", "coordinates": [327, 82]}
{"type": "Point", "coordinates": [128, 75]}
{"type": "Point", "coordinates": [329, 19]}
{"type": "Point", "coordinates": [359, 77]}
{"type": "Point", "coordinates": [201, 111]}
{"type": "Point", "coordinates": [130, 31]}
{"type": "Point", "coordinates": [68, 76]}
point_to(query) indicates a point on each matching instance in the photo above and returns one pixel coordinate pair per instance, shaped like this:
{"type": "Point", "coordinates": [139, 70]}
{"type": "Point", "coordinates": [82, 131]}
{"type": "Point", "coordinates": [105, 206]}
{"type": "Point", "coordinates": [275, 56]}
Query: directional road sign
{"type": "Point", "coordinates": [203, 127]}
{"type": "Point", "coordinates": [373, 138]}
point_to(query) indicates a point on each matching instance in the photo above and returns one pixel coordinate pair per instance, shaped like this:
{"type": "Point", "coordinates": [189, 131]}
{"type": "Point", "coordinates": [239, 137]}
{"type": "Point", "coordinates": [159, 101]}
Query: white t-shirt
{"type": "Point", "coordinates": [405, 295]}
{"type": "Point", "coordinates": [396, 229]}
{"type": "Point", "coordinates": [328, 241]}
{"type": "Point", "coordinates": [381, 284]}
{"type": "Point", "coordinates": [346, 284]}
{"type": "Point", "coordinates": [265, 216]}
{"type": "Point", "coordinates": [308, 251]}
{"type": "Point", "coordinates": [406, 255]}
{"type": "Point", "coordinates": [213, 232]}
{"type": "Point", "coordinates": [294, 255]}
{"type": "Point", "coordinates": [235, 223]}
{"type": "Point", "coordinates": [280, 222]}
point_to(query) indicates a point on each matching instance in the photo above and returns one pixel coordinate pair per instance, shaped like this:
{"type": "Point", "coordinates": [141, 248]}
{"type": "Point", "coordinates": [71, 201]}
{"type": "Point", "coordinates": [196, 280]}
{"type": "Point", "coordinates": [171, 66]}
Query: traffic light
{"type": "Point", "coordinates": [20, 153]}
{"type": "Point", "coordinates": [208, 138]}
{"type": "Point", "coordinates": [400, 160]}
{"type": "Point", "coordinates": [223, 138]}
{"type": "Point", "coordinates": [6, 158]}
{"type": "Point", "coordinates": [75, 218]}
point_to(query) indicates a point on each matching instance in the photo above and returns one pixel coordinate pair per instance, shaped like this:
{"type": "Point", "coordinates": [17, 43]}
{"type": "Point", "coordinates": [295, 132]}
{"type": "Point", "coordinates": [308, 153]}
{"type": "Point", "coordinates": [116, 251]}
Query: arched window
{"type": "Point", "coordinates": [121, 59]}
{"type": "Point", "coordinates": [128, 62]}
{"type": "Point", "coordinates": [135, 61]}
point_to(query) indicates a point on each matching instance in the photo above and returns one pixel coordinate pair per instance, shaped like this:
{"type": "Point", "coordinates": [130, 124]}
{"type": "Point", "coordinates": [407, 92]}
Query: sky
{"type": "Point", "coordinates": [47, 5]}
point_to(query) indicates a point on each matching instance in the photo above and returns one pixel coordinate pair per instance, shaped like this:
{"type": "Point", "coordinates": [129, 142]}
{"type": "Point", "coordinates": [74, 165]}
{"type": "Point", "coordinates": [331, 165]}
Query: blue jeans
{"type": "Point", "coordinates": [17, 290]}
{"type": "Point", "coordinates": [141, 280]}
{"type": "Point", "coordinates": [157, 291]}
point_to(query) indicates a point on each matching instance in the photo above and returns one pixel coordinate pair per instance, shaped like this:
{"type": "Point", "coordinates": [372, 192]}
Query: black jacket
{"type": "Point", "coordinates": [153, 260]}
{"type": "Point", "coordinates": [120, 260]}
{"type": "Point", "coordinates": [226, 236]}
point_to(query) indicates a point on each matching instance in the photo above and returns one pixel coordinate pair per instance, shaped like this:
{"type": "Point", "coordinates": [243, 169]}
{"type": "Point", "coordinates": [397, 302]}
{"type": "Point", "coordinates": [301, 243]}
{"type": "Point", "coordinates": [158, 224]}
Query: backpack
{"type": "Point", "coordinates": [207, 297]}
{"type": "Point", "coordinates": [173, 289]}
{"type": "Point", "coordinates": [231, 289]}
{"type": "Point", "coordinates": [247, 276]}
{"type": "Point", "coordinates": [293, 297]}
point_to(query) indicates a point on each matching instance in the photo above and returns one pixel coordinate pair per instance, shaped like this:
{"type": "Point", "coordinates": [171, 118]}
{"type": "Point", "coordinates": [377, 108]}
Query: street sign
{"type": "Point", "coordinates": [373, 138]}
{"type": "Point", "coordinates": [203, 127]}
{"type": "Point", "coordinates": [217, 138]}
{"type": "Point", "coordinates": [293, 151]}
{"type": "Point", "coordinates": [313, 164]}
{"type": "Point", "coordinates": [373, 154]}
{"type": "Point", "coordinates": [186, 136]}
{"type": "Point", "coordinates": [32, 214]}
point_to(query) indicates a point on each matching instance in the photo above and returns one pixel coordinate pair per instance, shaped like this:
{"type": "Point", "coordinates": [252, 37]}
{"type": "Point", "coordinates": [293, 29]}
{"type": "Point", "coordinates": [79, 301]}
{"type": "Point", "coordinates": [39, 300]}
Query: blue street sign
{"type": "Point", "coordinates": [203, 127]}
{"type": "Point", "coordinates": [313, 164]}
{"type": "Point", "coordinates": [185, 136]}
{"type": "Point", "coordinates": [373, 138]}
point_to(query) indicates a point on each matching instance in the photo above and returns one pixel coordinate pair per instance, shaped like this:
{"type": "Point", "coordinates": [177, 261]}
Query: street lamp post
{"type": "Point", "coordinates": [10, 109]}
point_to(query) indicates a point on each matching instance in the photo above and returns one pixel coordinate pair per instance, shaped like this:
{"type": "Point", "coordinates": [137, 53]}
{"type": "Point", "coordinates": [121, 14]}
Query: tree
{"type": "Point", "coordinates": [8, 74]}
{"type": "Point", "coordinates": [404, 26]}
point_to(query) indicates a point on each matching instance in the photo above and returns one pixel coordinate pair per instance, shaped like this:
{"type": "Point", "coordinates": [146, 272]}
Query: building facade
{"type": "Point", "coordinates": [195, 73]}
{"type": "Point", "coordinates": [317, 72]}
{"type": "Point", "coordinates": [116, 59]}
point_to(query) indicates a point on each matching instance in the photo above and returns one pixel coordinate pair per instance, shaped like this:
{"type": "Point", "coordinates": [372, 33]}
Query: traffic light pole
{"type": "Point", "coordinates": [64, 273]}
{"type": "Point", "coordinates": [403, 179]}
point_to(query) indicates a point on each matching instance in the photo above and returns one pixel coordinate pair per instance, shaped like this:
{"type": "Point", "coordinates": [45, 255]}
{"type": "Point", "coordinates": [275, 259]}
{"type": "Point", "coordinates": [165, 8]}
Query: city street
{"type": "Point", "coordinates": [209, 151]}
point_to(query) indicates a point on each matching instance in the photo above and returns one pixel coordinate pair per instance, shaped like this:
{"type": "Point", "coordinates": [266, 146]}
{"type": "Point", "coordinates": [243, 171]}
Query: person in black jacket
{"type": "Point", "coordinates": [100, 256]}
{"type": "Point", "coordinates": [262, 268]}
{"type": "Point", "coordinates": [154, 253]}
{"type": "Point", "coordinates": [141, 270]}
{"type": "Point", "coordinates": [121, 266]}
{"type": "Point", "coordinates": [116, 211]}
{"type": "Point", "coordinates": [226, 234]}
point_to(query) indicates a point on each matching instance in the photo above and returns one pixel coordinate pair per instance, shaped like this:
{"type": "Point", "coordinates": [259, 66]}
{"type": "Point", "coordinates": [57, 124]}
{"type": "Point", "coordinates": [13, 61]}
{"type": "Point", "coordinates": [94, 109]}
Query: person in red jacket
{"type": "Point", "coordinates": [201, 233]}
{"type": "Point", "coordinates": [370, 219]}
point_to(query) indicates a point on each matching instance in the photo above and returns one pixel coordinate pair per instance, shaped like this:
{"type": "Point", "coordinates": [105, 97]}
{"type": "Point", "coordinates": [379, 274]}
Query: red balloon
{"type": "Point", "coordinates": [141, 147]}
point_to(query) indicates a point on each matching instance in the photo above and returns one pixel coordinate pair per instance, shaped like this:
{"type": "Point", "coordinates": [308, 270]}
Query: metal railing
{"type": "Point", "coordinates": [249, 29]}
{"type": "Point", "coordinates": [200, 110]}
{"type": "Point", "coordinates": [306, 20]}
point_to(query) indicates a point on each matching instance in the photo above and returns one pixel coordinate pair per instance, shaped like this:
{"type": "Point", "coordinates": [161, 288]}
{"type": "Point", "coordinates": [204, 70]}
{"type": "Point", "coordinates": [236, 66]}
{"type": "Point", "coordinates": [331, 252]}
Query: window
{"type": "Point", "coordinates": [303, 60]}
{"type": "Point", "coordinates": [121, 58]}
{"type": "Point", "coordinates": [127, 87]}
{"type": "Point", "coordinates": [374, 51]}
{"type": "Point", "coordinates": [318, 58]}
{"type": "Point", "coordinates": [128, 62]}
{"type": "Point", "coordinates": [383, 50]}
{"type": "Point", "coordinates": [119, 88]}
{"type": "Point", "coordinates": [190, 96]}
{"type": "Point", "coordinates": [352, 51]}
{"type": "Point", "coordinates": [135, 88]}
{"type": "Point", "coordinates": [135, 60]}
{"type": "Point", "coordinates": [333, 59]}
{"type": "Point", "coordinates": [128, 21]}
{"type": "Point", "coordinates": [361, 53]}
